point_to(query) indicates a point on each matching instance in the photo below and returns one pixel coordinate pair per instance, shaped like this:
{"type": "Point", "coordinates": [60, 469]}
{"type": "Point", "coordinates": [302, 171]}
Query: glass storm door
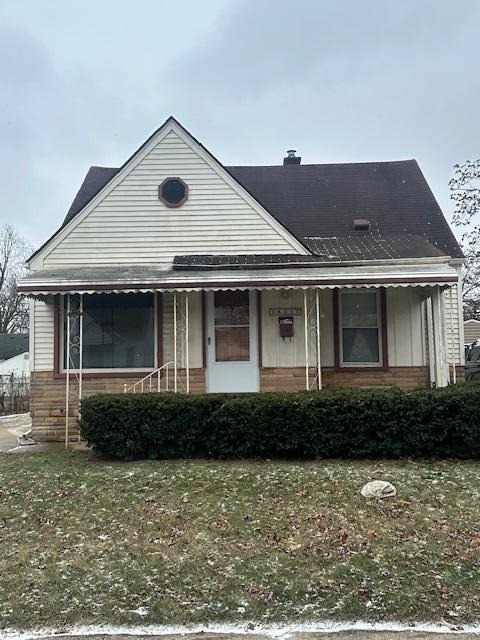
{"type": "Point", "coordinates": [232, 347]}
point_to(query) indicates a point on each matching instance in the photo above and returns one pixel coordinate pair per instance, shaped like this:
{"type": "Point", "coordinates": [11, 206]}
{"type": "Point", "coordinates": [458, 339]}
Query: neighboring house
{"type": "Point", "coordinates": [242, 278]}
{"type": "Point", "coordinates": [11, 344]}
{"type": "Point", "coordinates": [471, 330]}
{"type": "Point", "coordinates": [18, 366]}
{"type": "Point", "coordinates": [14, 356]}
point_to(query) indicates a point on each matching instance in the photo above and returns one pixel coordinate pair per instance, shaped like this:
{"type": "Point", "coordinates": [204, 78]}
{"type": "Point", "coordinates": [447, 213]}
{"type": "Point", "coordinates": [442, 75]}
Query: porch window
{"type": "Point", "coordinates": [360, 331]}
{"type": "Point", "coordinates": [118, 331]}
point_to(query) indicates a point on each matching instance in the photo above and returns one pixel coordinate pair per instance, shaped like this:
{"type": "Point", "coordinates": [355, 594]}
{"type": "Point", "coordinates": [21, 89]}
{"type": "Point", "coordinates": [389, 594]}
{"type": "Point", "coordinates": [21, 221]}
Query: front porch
{"type": "Point", "coordinates": [241, 337]}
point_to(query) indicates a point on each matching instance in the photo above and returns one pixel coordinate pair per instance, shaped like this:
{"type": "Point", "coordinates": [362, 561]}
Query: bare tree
{"type": "Point", "coordinates": [465, 188]}
{"type": "Point", "coordinates": [14, 251]}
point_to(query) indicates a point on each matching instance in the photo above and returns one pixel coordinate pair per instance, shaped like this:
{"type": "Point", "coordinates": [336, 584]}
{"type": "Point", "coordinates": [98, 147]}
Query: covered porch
{"type": "Point", "coordinates": [134, 330]}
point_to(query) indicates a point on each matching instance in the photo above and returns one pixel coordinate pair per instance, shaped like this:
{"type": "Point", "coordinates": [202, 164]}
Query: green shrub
{"type": "Point", "coordinates": [345, 423]}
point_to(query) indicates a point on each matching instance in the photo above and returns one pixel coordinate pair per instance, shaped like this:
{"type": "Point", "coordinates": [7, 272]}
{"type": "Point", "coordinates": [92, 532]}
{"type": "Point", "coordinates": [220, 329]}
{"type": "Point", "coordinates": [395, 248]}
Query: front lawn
{"type": "Point", "coordinates": [86, 541]}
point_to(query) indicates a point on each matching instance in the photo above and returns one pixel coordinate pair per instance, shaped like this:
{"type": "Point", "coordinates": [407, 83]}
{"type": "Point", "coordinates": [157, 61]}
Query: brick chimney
{"type": "Point", "coordinates": [291, 158]}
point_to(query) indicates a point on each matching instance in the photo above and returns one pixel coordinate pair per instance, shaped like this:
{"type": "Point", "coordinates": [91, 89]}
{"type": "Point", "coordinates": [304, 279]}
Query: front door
{"type": "Point", "coordinates": [232, 345]}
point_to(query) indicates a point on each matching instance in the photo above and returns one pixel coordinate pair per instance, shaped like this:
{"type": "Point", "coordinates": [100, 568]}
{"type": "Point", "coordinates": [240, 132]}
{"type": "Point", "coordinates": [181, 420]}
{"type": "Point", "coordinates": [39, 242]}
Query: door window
{"type": "Point", "coordinates": [232, 326]}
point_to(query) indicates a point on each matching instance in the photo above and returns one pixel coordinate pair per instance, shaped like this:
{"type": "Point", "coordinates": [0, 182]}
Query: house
{"type": "Point", "coordinates": [14, 355]}
{"type": "Point", "coordinates": [17, 366]}
{"type": "Point", "coordinates": [471, 330]}
{"type": "Point", "coordinates": [176, 272]}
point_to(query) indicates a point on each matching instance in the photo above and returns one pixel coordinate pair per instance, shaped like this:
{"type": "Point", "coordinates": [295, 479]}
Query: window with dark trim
{"type": "Point", "coordinates": [118, 331]}
{"type": "Point", "coordinates": [360, 327]}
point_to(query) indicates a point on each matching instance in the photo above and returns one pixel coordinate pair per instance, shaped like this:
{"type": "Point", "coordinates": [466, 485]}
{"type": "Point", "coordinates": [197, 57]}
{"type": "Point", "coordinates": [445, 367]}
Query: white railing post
{"type": "Point", "coordinates": [80, 357]}
{"type": "Point", "coordinates": [319, 359]}
{"type": "Point", "coordinates": [187, 364]}
{"type": "Point", "coordinates": [175, 342]}
{"type": "Point", "coordinates": [305, 310]}
{"type": "Point", "coordinates": [66, 350]}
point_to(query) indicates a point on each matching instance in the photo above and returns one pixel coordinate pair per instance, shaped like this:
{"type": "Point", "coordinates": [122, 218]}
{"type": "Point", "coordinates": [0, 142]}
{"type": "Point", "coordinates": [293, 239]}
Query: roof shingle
{"type": "Point", "coordinates": [317, 203]}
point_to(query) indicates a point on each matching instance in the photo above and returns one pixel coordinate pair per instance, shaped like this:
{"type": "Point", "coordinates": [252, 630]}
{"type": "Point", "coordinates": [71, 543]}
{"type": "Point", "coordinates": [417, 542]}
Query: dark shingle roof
{"type": "Point", "coordinates": [11, 344]}
{"type": "Point", "coordinates": [317, 203]}
{"type": "Point", "coordinates": [94, 181]}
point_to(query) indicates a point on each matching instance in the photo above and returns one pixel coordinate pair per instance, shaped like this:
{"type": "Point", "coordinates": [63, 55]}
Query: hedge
{"type": "Point", "coordinates": [345, 423]}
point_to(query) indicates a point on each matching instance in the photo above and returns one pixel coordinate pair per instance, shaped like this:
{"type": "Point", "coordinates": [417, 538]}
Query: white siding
{"type": "Point", "coordinates": [132, 226]}
{"type": "Point", "coordinates": [405, 328]}
{"type": "Point", "coordinates": [278, 352]}
{"type": "Point", "coordinates": [195, 342]}
{"type": "Point", "coordinates": [472, 331]}
{"type": "Point", "coordinates": [42, 330]}
{"type": "Point", "coordinates": [455, 348]}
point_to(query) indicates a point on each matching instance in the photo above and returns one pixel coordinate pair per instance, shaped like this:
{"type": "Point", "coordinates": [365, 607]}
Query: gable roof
{"type": "Point", "coordinates": [11, 344]}
{"type": "Point", "coordinates": [317, 204]}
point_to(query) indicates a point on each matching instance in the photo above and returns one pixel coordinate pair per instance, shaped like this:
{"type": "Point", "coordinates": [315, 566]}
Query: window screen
{"type": "Point", "coordinates": [118, 331]}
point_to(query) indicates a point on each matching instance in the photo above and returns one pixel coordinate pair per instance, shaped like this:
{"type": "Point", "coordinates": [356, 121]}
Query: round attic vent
{"type": "Point", "coordinates": [173, 192]}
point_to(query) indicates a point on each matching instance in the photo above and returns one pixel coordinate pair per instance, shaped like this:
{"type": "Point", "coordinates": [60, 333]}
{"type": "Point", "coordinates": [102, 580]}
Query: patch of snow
{"type": "Point", "coordinates": [245, 628]}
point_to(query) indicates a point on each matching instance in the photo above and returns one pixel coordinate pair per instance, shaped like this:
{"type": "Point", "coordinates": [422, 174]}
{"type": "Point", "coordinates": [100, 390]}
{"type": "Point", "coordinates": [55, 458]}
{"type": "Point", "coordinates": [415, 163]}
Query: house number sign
{"type": "Point", "coordinates": [285, 311]}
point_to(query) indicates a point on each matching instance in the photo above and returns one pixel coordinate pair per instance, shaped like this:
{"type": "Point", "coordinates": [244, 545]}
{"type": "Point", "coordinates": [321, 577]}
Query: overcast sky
{"type": "Point", "coordinates": [85, 82]}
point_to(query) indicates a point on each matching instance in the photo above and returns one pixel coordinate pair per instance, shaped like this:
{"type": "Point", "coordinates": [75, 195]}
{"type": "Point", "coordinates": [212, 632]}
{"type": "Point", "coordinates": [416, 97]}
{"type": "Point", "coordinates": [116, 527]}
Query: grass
{"type": "Point", "coordinates": [84, 541]}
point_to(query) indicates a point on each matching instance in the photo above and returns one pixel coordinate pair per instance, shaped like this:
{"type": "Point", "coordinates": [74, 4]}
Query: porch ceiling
{"type": "Point", "coordinates": [143, 279]}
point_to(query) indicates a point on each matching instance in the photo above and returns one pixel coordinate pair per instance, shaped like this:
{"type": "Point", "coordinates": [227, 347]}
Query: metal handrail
{"type": "Point", "coordinates": [149, 377]}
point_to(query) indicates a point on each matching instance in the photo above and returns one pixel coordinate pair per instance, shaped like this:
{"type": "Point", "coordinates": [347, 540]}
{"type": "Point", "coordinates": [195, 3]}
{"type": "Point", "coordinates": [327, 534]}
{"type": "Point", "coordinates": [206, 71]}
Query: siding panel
{"type": "Point", "coordinates": [43, 331]}
{"type": "Point", "coordinates": [131, 225]}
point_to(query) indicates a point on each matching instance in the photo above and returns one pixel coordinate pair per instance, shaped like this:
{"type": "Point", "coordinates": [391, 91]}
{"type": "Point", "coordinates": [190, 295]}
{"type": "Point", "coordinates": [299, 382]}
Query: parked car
{"type": "Point", "coordinates": [472, 361]}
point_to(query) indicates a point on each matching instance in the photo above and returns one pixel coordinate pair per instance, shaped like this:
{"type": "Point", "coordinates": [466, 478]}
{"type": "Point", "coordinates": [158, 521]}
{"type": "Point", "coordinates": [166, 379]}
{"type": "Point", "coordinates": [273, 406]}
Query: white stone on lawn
{"type": "Point", "coordinates": [378, 489]}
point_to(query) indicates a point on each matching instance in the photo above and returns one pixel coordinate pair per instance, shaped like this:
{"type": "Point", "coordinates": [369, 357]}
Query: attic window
{"type": "Point", "coordinates": [173, 192]}
{"type": "Point", "coordinates": [361, 224]}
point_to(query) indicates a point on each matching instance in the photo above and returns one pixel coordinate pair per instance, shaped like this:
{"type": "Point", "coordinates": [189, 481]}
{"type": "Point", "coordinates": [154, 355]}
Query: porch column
{"type": "Point", "coordinates": [305, 327]}
{"type": "Point", "coordinates": [431, 344]}
{"type": "Point", "coordinates": [187, 354]}
{"type": "Point", "coordinates": [312, 335]}
{"type": "Point", "coordinates": [175, 341]}
{"type": "Point", "coordinates": [441, 361]}
{"type": "Point", "coordinates": [317, 318]}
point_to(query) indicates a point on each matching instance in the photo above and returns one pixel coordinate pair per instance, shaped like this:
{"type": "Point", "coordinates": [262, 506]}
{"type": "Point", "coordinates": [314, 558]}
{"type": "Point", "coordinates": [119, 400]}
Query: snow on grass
{"type": "Point", "coordinates": [247, 629]}
{"type": "Point", "coordinates": [191, 542]}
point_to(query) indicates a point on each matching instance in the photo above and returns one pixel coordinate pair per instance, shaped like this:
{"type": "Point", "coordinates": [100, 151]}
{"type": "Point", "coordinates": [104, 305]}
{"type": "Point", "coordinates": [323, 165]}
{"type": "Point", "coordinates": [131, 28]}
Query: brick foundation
{"type": "Point", "coordinates": [293, 379]}
{"type": "Point", "coordinates": [48, 400]}
{"type": "Point", "coordinates": [48, 392]}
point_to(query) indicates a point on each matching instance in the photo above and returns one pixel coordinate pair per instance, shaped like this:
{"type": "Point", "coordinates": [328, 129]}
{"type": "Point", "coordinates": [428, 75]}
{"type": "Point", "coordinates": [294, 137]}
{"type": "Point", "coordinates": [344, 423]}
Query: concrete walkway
{"type": "Point", "coordinates": [11, 428]}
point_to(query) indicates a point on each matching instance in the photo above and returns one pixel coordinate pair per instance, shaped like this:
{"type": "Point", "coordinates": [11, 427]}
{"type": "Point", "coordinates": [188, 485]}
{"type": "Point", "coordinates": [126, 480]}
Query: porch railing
{"type": "Point", "coordinates": [152, 382]}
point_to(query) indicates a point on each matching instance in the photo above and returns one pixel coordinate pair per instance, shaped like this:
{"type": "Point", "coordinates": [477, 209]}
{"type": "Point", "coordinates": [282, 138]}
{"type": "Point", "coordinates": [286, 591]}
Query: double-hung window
{"type": "Point", "coordinates": [360, 328]}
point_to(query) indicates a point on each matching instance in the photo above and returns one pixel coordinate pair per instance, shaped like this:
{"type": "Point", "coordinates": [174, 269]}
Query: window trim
{"type": "Point", "coordinates": [382, 365]}
{"type": "Point", "coordinates": [58, 360]}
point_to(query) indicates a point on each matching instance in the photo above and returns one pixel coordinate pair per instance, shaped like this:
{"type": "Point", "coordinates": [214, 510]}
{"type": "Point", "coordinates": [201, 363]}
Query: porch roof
{"type": "Point", "coordinates": [143, 279]}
